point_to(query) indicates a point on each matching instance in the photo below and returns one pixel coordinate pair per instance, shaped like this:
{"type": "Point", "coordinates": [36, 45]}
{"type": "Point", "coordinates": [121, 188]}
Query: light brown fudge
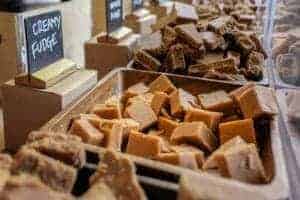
{"type": "Point", "coordinates": [189, 34]}
{"type": "Point", "coordinates": [162, 84]}
{"type": "Point", "coordinates": [199, 155]}
{"type": "Point", "coordinates": [159, 101]}
{"type": "Point", "coordinates": [115, 137]}
{"type": "Point", "coordinates": [218, 101]}
{"type": "Point", "coordinates": [181, 101]}
{"type": "Point", "coordinates": [183, 159]}
{"type": "Point", "coordinates": [167, 125]}
{"type": "Point", "coordinates": [38, 135]}
{"type": "Point", "coordinates": [107, 112]}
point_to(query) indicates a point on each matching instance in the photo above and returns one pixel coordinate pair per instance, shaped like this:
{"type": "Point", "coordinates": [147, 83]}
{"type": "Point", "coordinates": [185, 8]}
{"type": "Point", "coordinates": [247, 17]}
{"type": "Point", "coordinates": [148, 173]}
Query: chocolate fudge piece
{"type": "Point", "coordinates": [218, 101]}
{"type": "Point", "coordinates": [254, 66]}
{"type": "Point", "coordinates": [221, 25]}
{"type": "Point", "coordinates": [55, 174]}
{"type": "Point", "coordinates": [142, 113]}
{"type": "Point", "coordinates": [175, 61]}
{"type": "Point", "coordinates": [26, 187]}
{"type": "Point", "coordinates": [162, 84]}
{"type": "Point", "coordinates": [148, 61]}
{"type": "Point", "coordinates": [153, 44]}
{"type": "Point", "coordinates": [169, 36]}
{"type": "Point", "coordinates": [70, 152]}
{"type": "Point", "coordinates": [212, 40]}
{"type": "Point", "coordinates": [189, 34]}
{"type": "Point", "coordinates": [236, 56]}
{"type": "Point", "coordinates": [181, 101]}
{"type": "Point", "coordinates": [196, 133]}
{"type": "Point", "coordinates": [118, 173]}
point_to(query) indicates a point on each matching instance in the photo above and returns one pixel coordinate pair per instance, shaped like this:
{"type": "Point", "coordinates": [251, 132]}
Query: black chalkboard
{"type": "Point", "coordinates": [44, 40]}
{"type": "Point", "coordinates": [114, 15]}
{"type": "Point", "coordinates": [137, 4]}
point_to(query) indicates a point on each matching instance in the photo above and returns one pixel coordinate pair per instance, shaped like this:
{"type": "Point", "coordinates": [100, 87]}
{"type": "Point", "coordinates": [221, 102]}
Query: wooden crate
{"type": "Point", "coordinates": [213, 187]}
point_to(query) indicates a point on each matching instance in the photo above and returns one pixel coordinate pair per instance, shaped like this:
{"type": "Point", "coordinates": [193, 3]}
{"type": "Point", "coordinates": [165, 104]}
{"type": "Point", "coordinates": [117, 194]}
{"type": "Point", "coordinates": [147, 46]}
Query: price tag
{"type": "Point", "coordinates": [114, 15]}
{"type": "Point", "coordinates": [137, 4]}
{"type": "Point", "coordinates": [44, 40]}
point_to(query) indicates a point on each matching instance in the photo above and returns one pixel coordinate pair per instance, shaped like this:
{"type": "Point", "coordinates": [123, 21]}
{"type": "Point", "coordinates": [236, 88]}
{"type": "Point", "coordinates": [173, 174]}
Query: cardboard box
{"type": "Point", "coordinates": [105, 57]}
{"type": "Point", "coordinates": [26, 109]}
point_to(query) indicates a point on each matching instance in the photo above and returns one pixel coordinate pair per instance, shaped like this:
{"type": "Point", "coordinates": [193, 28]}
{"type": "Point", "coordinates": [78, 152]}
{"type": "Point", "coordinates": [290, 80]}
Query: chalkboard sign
{"type": "Point", "coordinates": [114, 15]}
{"type": "Point", "coordinates": [137, 4]}
{"type": "Point", "coordinates": [44, 40]}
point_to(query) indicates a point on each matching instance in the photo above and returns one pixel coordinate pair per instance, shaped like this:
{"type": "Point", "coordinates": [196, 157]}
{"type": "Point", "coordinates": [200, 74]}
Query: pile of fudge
{"type": "Point", "coordinates": [220, 43]}
{"type": "Point", "coordinates": [215, 132]}
{"type": "Point", "coordinates": [48, 167]}
{"type": "Point", "coordinates": [286, 42]}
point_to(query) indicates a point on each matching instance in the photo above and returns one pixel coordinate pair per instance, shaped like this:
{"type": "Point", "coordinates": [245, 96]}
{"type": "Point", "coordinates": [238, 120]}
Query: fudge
{"type": "Point", "coordinates": [162, 84]}
{"type": "Point", "coordinates": [38, 135]}
{"type": "Point", "coordinates": [169, 35]}
{"type": "Point", "coordinates": [211, 161]}
{"type": "Point", "coordinates": [212, 40]}
{"type": "Point", "coordinates": [146, 98]}
{"type": "Point", "coordinates": [70, 152]}
{"type": "Point", "coordinates": [106, 111]}
{"type": "Point", "coordinates": [159, 101]}
{"type": "Point", "coordinates": [139, 144]}
{"type": "Point", "coordinates": [115, 137]}
{"type": "Point", "coordinates": [118, 173]}
{"type": "Point", "coordinates": [199, 155]}
{"type": "Point", "coordinates": [86, 131]}
{"type": "Point", "coordinates": [181, 101]}
{"type": "Point", "coordinates": [92, 118]}
{"type": "Point", "coordinates": [235, 94]}
{"type": "Point", "coordinates": [147, 61]}
{"type": "Point", "coordinates": [196, 133]}
{"type": "Point", "coordinates": [218, 101]}
{"type": "Point", "coordinates": [243, 128]}
{"type": "Point", "coordinates": [99, 191]}
{"type": "Point", "coordinates": [257, 102]}
{"type": "Point", "coordinates": [254, 66]}
{"type": "Point", "coordinates": [137, 89]}
{"type": "Point", "coordinates": [236, 56]}
{"type": "Point", "coordinates": [210, 118]}
{"type": "Point", "coordinates": [142, 113]}
{"type": "Point", "coordinates": [175, 61]}
{"type": "Point", "coordinates": [183, 159]}
{"type": "Point", "coordinates": [55, 174]}
{"type": "Point", "coordinates": [221, 25]}
{"type": "Point", "coordinates": [189, 34]}
{"type": "Point", "coordinates": [167, 125]}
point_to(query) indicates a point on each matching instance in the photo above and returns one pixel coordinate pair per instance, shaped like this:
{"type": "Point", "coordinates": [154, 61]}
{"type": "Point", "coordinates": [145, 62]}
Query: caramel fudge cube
{"type": "Point", "coordinates": [243, 128]}
{"type": "Point", "coordinates": [199, 155]}
{"type": "Point", "coordinates": [70, 152]}
{"type": "Point", "coordinates": [106, 112]}
{"type": "Point", "coordinates": [242, 163]}
{"type": "Point", "coordinates": [167, 125]}
{"type": "Point", "coordinates": [143, 145]}
{"type": "Point", "coordinates": [211, 119]}
{"type": "Point", "coordinates": [159, 100]}
{"type": "Point", "coordinates": [211, 162]}
{"type": "Point", "coordinates": [257, 101]}
{"type": "Point", "coordinates": [92, 118]}
{"type": "Point", "coordinates": [196, 133]}
{"type": "Point", "coordinates": [55, 174]}
{"type": "Point", "coordinates": [218, 101]}
{"type": "Point", "coordinates": [86, 131]}
{"type": "Point", "coordinates": [181, 101]}
{"type": "Point", "coordinates": [127, 124]}
{"type": "Point", "coordinates": [39, 135]}
{"type": "Point", "coordinates": [235, 94]}
{"type": "Point", "coordinates": [189, 34]}
{"type": "Point", "coordinates": [162, 84]}
{"type": "Point", "coordinates": [118, 173]}
{"type": "Point", "coordinates": [142, 113]}
{"type": "Point", "coordinates": [137, 89]}
{"type": "Point", "coordinates": [115, 137]}
{"type": "Point", "coordinates": [146, 98]}
{"type": "Point", "coordinates": [183, 159]}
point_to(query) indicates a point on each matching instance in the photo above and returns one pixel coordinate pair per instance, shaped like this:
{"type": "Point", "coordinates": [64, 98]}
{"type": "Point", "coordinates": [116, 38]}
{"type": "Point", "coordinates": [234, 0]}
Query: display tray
{"type": "Point", "coordinates": [214, 187]}
{"type": "Point", "coordinates": [281, 84]}
{"type": "Point", "coordinates": [264, 81]}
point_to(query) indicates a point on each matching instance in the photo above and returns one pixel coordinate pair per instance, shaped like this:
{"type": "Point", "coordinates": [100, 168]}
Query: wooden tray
{"type": "Point", "coordinates": [212, 186]}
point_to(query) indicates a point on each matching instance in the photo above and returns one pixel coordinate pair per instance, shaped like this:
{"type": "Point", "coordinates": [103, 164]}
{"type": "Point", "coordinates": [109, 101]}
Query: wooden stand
{"type": "Point", "coordinates": [116, 52]}
{"type": "Point", "coordinates": [140, 21]}
{"type": "Point", "coordinates": [26, 109]}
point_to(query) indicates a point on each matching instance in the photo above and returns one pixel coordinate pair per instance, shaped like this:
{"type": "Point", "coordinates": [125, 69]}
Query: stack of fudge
{"type": "Point", "coordinates": [286, 41]}
{"type": "Point", "coordinates": [214, 132]}
{"type": "Point", "coordinates": [47, 168]}
{"type": "Point", "coordinates": [221, 44]}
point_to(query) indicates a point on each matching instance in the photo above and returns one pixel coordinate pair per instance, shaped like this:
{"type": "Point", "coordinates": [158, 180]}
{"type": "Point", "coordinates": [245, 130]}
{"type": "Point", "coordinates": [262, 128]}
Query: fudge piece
{"type": "Point", "coordinates": [92, 118]}
{"type": "Point", "coordinates": [38, 135]}
{"type": "Point", "coordinates": [257, 101]}
{"type": "Point", "coordinates": [167, 125]}
{"type": "Point", "coordinates": [212, 40]}
{"type": "Point", "coordinates": [137, 89]}
{"type": "Point", "coordinates": [236, 56]}
{"type": "Point", "coordinates": [189, 34]}
{"type": "Point", "coordinates": [142, 113]}
{"type": "Point", "coordinates": [243, 128]}
{"type": "Point", "coordinates": [148, 61]}
{"type": "Point", "coordinates": [199, 155]}
{"type": "Point", "coordinates": [185, 13]}
{"type": "Point", "coordinates": [242, 163]}
{"type": "Point", "coordinates": [169, 35]}
{"type": "Point", "coordinates": [55, 174]}
{"type": "Point", "coordinates": [183, 159]}
{"type": "Point", "coordinates": [5, 167]}
{"type": "Point", "coordinates": [146, 98]}
{"type": "Point", "coordinates": [218, 101]}
{"type": "Point", "coordinates": [175, 61]}
{"type": "Point", "coordinates": [254, 66]}
{"type": "Point", "coordinates": [211, 119]}
{"type": "Point", "coordinates": [99, 191]}
{"type": "Point", "coordinates": [235, 94]}
{"type": "Point", "coordinates": [142, 145]}
{"type": "Point", "coordinates": [118, 173]}
{"type": "Point", "coordinates": [115, 137]}
{"type": "Point", "coordinates": [86, 131]}
{"type": "Point", "coordinates": [159, 101]}
{"type": "Point", "coordinates": [162, 84]}
{"type": "Point", "coordinates": [181, 101]}
{"type": "Point", "coordinates": [26, 187]}
{"type": "Point", "coordinates": [70, 152]}
{"type": "Point", "coordinates": [221, 25]}
{"type": "Point", "coordinates": [211, 161]}
{"type": "Point", "coordinates": [196, 133]}
{"type": "Point", "coordinates": [106, 111]}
